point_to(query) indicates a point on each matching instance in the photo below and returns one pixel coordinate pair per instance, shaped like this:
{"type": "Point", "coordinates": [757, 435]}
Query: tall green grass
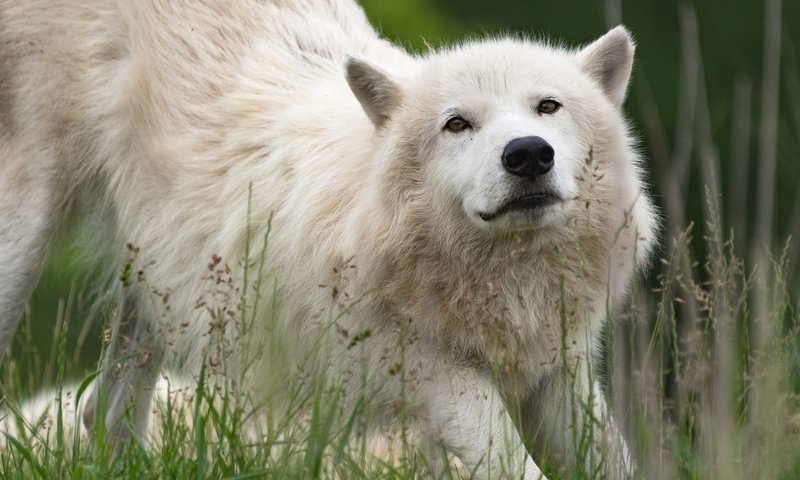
{"type": "Point", "coordinates": [714, 399]}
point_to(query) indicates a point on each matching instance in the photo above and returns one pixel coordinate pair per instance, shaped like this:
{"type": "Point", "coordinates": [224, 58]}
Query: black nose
{"type": "Point", "coordinates": [528, 157]}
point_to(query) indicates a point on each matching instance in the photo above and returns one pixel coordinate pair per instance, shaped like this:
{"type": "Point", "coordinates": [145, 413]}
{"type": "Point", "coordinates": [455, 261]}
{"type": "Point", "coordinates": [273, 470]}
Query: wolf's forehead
{"type": "Point", "coordinates": [501, 68]}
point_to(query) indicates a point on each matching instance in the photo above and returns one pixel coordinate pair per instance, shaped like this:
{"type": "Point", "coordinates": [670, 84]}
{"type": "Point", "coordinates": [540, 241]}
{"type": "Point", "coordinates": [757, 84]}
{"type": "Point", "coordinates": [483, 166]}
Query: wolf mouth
{"type": "Point", "coordinates": [530, 202]}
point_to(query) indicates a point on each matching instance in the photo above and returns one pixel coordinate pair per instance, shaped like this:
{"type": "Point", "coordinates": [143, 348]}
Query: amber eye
{"type": "Point", "coordinates": [457, 124]}
{"type": "Point", "coordinates": [548, 106]}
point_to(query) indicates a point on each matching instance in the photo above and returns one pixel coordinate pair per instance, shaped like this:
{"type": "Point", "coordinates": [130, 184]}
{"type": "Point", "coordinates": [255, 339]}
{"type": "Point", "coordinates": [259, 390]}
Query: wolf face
{"type": "Point", "coordinates": [503, 129]}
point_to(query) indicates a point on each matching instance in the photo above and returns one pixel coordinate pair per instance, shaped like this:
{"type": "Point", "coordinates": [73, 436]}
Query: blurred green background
{"type": "Point", "coordinates": [699, 81]}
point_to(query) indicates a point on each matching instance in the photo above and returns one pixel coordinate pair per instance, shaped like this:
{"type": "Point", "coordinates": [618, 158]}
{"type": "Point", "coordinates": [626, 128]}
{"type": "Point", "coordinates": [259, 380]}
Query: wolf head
{"type": "Point", "coordinates": [513, 135]}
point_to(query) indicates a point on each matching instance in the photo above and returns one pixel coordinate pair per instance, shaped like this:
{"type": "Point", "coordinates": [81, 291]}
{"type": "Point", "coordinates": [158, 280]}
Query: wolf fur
{"type": "Point", "coordinates": [193, 128]}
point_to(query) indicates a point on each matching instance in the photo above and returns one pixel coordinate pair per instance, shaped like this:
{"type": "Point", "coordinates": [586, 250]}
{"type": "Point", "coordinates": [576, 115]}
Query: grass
{"type": "Point", "coordinates": [204, 429]}
{"type": "Point", "coordinates": [716, 397]}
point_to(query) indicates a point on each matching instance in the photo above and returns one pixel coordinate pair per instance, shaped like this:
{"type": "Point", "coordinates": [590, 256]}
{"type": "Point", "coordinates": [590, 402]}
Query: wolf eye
{"type": "Point", "coordinates": [457, 124]}
{"type": "Point", "coordinates": [548, 106]}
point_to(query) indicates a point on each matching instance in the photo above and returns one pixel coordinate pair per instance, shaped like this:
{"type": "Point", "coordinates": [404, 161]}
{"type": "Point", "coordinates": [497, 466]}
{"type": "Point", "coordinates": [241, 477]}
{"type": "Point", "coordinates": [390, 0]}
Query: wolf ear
{"type": "Point", "coordinates": [608, 60]}
{"type": "Point", "coordinates": [378, 94]}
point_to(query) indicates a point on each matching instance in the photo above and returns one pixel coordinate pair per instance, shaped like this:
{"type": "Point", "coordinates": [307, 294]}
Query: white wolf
{"type": "Point", "coordinates": [482, 206]}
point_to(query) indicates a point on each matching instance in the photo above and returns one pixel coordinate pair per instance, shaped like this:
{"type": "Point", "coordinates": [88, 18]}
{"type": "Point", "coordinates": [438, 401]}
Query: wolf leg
{"type": "Point", "coordinates": [459, 408]}
{"type": "Point", "coordinates": [130, 369]}
{"type": "Point", "coordinates": [32, 205]}
{"type": "Point", "coordinates": [568, 420]}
